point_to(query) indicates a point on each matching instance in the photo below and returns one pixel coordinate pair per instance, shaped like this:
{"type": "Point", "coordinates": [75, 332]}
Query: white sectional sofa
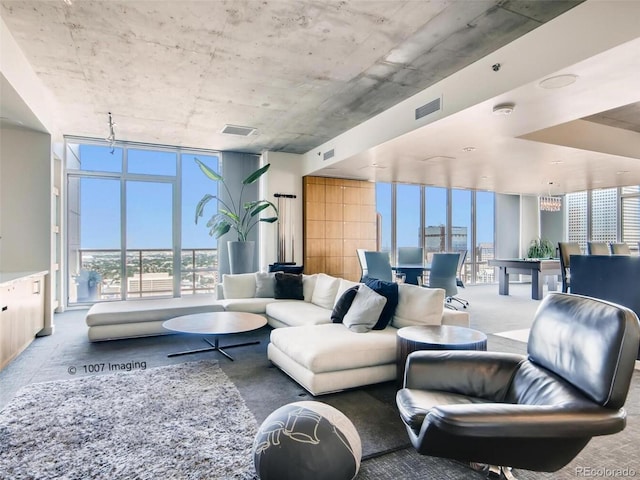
{"type": "Point", "coordinates": [320, 355]}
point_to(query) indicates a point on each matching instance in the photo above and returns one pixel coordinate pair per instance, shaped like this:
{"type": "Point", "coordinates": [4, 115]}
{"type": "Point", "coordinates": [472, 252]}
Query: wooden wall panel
{"type": "Point", "coordinates": [339, 217]}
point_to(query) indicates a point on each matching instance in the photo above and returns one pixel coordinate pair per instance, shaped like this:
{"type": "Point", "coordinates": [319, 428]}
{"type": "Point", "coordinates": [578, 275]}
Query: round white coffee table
{"type": "Point", "coordinates": [215, 323]}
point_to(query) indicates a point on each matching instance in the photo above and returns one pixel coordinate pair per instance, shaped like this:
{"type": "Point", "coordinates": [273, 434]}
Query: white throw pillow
{"type": "Point", "coordinates": [365, 310]}
{"type": "Point", "coordinates": [308, 284]}
{"type": "Point", "coordinates": [240, 285]}
{"type": "Point", "coordinates": [324, 293]}
{"type": "Point", "coordinates": [343, 286]}
{"type": "Point", "coordinates": [265, 285]}
{"type": "Point", "coordinates": [418, 306]}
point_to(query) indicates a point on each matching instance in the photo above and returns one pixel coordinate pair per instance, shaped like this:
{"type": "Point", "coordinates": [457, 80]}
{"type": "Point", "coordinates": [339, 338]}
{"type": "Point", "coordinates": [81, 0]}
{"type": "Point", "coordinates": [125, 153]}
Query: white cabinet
{"type": "Point", "coordinates": [22, 303]}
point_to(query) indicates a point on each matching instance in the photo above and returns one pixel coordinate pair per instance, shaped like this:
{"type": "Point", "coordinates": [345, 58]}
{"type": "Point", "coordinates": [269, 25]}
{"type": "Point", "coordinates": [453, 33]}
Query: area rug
{"type": "Point", "coordinates": [181, 421]}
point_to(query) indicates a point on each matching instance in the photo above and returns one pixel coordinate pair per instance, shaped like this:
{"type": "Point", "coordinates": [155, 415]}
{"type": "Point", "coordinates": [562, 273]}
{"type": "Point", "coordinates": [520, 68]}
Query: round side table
{"type": "Point", "coordinates": [437, 337]}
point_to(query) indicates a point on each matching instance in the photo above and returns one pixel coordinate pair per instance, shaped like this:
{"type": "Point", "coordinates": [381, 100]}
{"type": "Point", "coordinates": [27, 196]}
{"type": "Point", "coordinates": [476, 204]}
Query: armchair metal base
{"type": "Point", "coordinates": [493, 471]}
{"type": "Point", "coordinates": [462, 301]}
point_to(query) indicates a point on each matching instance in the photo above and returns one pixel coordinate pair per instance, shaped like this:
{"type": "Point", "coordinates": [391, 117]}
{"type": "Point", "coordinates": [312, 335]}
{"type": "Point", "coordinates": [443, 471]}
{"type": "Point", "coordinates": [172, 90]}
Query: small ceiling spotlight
{"type": "Point", "coordinates": [496, 67]}
{"type": "Point", "coordinates": [468, 149]}
{"type": "Point", "coordinates": [504, 109]}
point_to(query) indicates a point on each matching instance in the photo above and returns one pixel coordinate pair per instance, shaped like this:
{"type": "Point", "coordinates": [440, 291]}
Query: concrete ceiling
{"type": "Point", "coordinates": [300, 71]}
{"type": "Point", "coordinates": [303, 72]}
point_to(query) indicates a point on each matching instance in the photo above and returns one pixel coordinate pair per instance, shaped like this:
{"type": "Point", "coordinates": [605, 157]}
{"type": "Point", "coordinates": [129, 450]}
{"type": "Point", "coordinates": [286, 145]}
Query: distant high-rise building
{"type": "Point", "coordinates": [435, 238]}
{"type": "Point", "coordinates": [603, 212]}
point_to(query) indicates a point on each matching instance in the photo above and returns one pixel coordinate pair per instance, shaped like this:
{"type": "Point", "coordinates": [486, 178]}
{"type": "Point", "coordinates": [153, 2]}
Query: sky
{"type": "Point", "coordinates": [149, 203]}
{"type": "Point", "coordinates": [408, 212]}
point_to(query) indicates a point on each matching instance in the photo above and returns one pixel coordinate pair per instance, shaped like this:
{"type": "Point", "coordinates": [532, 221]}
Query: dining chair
{"type": "Point", "coordinates": [363, 263]}
{"type": "Point", "coordinates": [597, 248]}
{"type": "Point", "coordinates": [459, 282]}
{"type": "Point", "coordinates": [378, 265]}
{"type": "Point", "coordinates": [443, 273]}
{"type": "Point", "coordinates": [620, 249]}
{"type": "Point", "coordinates": [410, 256]}
{"type": "Point", "coordinates": [567, 249]}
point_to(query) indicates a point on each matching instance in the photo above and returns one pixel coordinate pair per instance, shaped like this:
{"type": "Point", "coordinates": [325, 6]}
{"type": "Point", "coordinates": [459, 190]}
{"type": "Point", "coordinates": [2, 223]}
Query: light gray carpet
{"type": "Point", "coordinates": [183, 421]}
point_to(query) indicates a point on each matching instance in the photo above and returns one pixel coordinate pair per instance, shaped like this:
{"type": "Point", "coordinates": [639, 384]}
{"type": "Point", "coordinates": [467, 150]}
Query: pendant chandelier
{"type": "Point", "coordinates": [550, 204]}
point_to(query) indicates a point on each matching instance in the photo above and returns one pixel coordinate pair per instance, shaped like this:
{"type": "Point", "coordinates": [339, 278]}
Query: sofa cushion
{"type": "Point", "coordinates": [308, 284]}
{"type": "Point", "coordinates": [150, 310]}
{"type": "Point", "coordinates": [343, 286]}
{"type": "Point", "coordinates": [389, 290]}
{"type": "Point", "coordinates": [418, 306]}
{"type": "Point", "coordinates": [239, 285]}
{"type": "Point", "coordinates": [289, 286]}
{"type": "Point", "coordinates": [249, 305]}
{"type": "Point", "coordinates": [295, 313]}
{"type": "Point", "coordinates": [342, 304]}
{"type": "Point", "coordinates": [265, 285]}
{"type": "Point", "coordinates": [333, 347]}
{"type": "Point", "coordinates": [324, 293]}
{"type": "Point", "coordinates": [365, 310]}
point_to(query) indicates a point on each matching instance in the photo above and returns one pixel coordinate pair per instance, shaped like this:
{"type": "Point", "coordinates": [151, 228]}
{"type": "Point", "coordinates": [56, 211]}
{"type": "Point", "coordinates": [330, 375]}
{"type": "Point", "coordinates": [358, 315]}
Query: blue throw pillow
{"type": "Point", "coordinates": [389, 290]}
{"type": "Point", "coordinates": [343, 304]}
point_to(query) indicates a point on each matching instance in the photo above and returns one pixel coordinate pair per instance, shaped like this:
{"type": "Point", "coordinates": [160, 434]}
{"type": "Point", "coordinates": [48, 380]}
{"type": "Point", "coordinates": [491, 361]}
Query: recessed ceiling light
{"type": "Point", "coordinates": [622, 172]}
{"type": "Point", "coordinates": [469, 149]}
{"type": "Point", "coordinates": [484, 177]}
{"type": "Point", "coordinates": [504, 109]}
{"type": "Point", "coordinates": [559, 81]}
{"type": "Point", "coordinates": [556, 162]}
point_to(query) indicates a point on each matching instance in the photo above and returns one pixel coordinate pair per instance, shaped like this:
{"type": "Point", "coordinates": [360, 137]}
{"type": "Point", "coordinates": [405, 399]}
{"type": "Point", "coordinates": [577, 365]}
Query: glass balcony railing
{"type": "Point", "coordinates": [147, 273]}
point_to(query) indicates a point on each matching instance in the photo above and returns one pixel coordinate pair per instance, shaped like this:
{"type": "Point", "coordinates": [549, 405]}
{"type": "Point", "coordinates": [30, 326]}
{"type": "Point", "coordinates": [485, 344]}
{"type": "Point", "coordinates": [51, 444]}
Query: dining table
{"type": "Point", "coordinates": [412, 271]}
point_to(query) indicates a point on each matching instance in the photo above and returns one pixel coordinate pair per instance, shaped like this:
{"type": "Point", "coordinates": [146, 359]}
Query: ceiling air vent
{"type": "Point", "coordinates": [328, 154]}
{"type": "Point", "coordinates": [428, 108]}
{"type": "Point", "coordinates": [238, 130]}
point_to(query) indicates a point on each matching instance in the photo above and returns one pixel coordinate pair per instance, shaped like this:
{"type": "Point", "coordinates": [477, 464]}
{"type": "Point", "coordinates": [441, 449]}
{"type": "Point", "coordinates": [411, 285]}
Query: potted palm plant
{"type": "Point", "coordinates": [236, 215]}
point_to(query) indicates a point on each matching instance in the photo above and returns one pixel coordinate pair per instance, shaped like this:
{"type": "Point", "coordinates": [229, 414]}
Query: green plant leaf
{"type": "Point", "coordinates": [269, 219]}
{"type": "Point", "coordinates": [201, 204]}
{"type": "Point", "coordinates": [234, 217]}
{"type": "Point", "coordinates": [208, 172]}
{"type": "Point", "coordinates": [258, 208]}
{"type": "Point", "coordinates": [220, 229]}
{"type": "Point", "coordinates": [256, 175]}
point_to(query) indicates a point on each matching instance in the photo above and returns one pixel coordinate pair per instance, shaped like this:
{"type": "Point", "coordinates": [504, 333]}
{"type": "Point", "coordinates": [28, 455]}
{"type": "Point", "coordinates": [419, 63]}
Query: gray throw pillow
{"type": "Point", "coordinates": [365, 310]}
{"type": "Point", "coordinates": [265, 285]}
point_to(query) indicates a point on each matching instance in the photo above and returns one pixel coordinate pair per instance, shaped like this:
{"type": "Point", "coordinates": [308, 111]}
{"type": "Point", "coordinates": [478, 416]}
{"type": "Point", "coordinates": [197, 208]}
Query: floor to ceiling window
{"type": "Point", "coordinates": [131, 229]}
{"type": "Point", "coordinates": [408, 216]}
{"type": "Point", "coordinates": [435, 221]}
{"type": "Point", "coordinates": [439, 220]}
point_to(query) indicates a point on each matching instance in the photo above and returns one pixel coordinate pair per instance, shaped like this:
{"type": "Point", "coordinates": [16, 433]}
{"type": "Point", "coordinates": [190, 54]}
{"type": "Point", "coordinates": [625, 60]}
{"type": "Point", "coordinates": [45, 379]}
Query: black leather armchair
{"type": "Point", "coordinates": [535, 412]}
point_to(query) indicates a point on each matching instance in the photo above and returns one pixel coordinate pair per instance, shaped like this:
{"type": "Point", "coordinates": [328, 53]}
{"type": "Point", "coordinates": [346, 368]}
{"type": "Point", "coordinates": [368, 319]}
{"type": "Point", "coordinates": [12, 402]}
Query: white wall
{"type": "Point", "coordinates": [284, 176]}
{"type": "Point", "coordinates": [507, 240]}
{"type": "Point", "coordinates": [18, 72]}
{"type": "Point", "coordinates": [25, 200]}
{"type": "Point", "coordinates": [529, 222]}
